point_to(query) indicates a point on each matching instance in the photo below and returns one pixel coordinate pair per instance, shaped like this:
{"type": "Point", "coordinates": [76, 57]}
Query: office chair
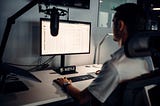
{"type": "Point", "coordinates": [133, 92]}
{"type": "Point", "coordinates": [143, 90]}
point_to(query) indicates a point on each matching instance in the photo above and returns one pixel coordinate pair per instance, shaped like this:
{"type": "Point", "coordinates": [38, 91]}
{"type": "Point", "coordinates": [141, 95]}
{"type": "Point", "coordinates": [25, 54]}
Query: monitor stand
{"type": "Point", "coordinates": [65, 69]}
{"type": "Point", "coordinates": [62, 60]}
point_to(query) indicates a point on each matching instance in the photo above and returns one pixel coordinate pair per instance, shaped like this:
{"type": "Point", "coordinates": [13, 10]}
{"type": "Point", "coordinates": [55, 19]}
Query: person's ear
{"type": "Point", "coordinates": [121, 25]}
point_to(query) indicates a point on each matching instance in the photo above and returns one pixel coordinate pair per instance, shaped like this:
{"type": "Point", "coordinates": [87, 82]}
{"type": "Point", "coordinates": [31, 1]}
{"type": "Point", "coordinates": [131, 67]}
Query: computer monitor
{"type": "Point", "coordinates": [83, 4]}
{"type": "Point", "coordinates": [73, 38]}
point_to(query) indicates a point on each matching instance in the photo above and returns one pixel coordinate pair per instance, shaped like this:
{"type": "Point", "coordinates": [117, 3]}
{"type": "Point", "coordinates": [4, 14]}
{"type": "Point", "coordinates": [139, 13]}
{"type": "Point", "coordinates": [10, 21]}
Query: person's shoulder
{"type": "Point", "coordinates": [118, 54]}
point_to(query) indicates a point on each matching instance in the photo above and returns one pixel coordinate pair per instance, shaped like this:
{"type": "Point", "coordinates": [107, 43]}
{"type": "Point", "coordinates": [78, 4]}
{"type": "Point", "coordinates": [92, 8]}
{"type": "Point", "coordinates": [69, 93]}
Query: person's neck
{"type": "Point", "coordinates": [120, 44]}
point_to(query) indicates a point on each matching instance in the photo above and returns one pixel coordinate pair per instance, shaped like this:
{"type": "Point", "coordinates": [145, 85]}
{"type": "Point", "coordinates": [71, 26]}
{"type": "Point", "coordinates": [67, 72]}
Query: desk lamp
{"type": "Point", "coordinates": [97, 49]}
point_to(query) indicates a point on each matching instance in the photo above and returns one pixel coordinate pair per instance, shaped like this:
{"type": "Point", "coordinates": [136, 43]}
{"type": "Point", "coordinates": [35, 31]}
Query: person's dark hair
{"type": "Point", "coordinates": [133, 16]}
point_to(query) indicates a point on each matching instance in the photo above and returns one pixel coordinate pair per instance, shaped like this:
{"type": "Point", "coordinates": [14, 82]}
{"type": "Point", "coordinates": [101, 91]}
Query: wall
{"type": "Point", "coordinates": [23, 43]}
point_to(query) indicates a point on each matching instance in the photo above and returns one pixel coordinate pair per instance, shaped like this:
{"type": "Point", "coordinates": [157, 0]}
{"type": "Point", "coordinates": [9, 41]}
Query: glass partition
{"type": "Point", "coordinates": [106, 13]}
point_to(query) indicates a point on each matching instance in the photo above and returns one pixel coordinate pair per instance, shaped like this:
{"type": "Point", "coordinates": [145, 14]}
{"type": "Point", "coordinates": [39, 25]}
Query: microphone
{"type": "Point", "coordinates": [54, 13]}
{"type": "Point", "coordinates": [54, 22]}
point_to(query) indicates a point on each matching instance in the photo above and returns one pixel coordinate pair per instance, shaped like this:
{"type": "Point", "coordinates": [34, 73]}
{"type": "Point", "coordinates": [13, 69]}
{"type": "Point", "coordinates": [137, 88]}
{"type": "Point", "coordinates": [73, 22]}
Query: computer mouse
{"type": "Point", "coordinates": [97, 72]}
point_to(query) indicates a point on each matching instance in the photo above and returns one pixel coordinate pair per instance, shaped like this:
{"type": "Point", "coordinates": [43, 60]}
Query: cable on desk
{"type": "Point", "coordinates": [42, 66]}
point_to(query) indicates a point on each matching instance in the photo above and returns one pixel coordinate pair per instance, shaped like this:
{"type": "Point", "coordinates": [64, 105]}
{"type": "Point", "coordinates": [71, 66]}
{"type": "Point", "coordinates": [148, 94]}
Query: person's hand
{"type": "Point", "coordinates": [61, 81]}
{"type": "Point", "coordinates": [97, 72]}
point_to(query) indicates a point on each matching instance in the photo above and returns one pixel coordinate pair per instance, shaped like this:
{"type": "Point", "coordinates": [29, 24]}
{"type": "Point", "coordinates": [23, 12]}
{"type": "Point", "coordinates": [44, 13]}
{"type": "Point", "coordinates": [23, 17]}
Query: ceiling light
{"type": "Point", "coordinates": [101, 1]}
{"type": "Point", "coordinates": [156, 9]}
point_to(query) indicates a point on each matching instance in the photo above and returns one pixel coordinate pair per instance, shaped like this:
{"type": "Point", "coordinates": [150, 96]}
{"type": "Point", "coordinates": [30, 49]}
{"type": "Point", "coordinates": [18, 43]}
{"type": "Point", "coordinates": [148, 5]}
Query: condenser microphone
{"type": "Point", "coordinates": [54, 22]}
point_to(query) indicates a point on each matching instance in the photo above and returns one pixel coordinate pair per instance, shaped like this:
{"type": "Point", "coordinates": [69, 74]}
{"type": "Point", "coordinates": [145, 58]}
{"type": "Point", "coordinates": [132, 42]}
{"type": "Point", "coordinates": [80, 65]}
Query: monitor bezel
{"type": "Point", "coordinates": [48, 2]}
{"type": "Point", "coordinates": [67, 21]}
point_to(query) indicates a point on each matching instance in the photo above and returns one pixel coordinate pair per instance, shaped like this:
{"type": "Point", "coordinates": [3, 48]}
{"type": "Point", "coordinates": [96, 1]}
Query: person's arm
{"type": "Point", "coordinates": [81, 96]}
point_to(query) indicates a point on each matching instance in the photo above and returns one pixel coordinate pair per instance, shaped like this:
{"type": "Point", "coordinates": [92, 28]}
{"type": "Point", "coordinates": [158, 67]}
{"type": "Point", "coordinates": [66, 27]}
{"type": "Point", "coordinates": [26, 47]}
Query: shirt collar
{"type": "Point", "coordinates": [117, 54]}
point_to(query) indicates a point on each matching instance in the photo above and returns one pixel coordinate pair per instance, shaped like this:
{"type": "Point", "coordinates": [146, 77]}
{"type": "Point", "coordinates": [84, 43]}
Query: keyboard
{"type": "Point", "coordinates": [79, 78]}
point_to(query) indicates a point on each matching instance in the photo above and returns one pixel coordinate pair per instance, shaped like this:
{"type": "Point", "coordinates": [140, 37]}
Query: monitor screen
{"type": "Point", "coordinates": [84, 4]}
{"type": "Point", "coordinates": [73, 38]}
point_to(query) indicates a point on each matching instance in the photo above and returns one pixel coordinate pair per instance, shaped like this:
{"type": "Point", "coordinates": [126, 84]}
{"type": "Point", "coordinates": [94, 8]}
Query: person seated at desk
{"type": "Point", "coordinates": [128, 19]}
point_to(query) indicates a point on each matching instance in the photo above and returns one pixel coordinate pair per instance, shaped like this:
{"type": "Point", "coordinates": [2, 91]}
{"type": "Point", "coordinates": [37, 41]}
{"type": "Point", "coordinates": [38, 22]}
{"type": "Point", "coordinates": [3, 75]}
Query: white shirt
{"type": "Point", "coordinates": [116, 70]}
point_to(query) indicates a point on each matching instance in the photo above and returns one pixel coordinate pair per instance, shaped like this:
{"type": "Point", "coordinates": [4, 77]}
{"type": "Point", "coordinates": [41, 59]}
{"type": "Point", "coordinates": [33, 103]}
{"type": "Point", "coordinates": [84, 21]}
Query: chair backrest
{"type": "Point", "coordinates": [154, 95]}
{"type": "Point", "coordinates": [133, 92]}
{"type": "Point", "coordinates": [140, 91]}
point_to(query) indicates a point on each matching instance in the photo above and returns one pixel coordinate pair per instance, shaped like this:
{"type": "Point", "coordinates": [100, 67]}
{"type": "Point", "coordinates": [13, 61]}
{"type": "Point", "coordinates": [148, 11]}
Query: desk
{"type": "Point", "coordinates": [47, 91]}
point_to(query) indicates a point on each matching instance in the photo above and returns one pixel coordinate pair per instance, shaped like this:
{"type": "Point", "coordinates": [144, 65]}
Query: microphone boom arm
{"type": "Point", "coordinates": [10, 21]}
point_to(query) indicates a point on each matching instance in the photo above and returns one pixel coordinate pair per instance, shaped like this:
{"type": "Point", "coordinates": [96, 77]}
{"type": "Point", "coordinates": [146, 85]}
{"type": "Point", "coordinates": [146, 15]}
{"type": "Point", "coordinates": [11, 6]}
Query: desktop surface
{"type": "Point", "coordinates": [47, 91]}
